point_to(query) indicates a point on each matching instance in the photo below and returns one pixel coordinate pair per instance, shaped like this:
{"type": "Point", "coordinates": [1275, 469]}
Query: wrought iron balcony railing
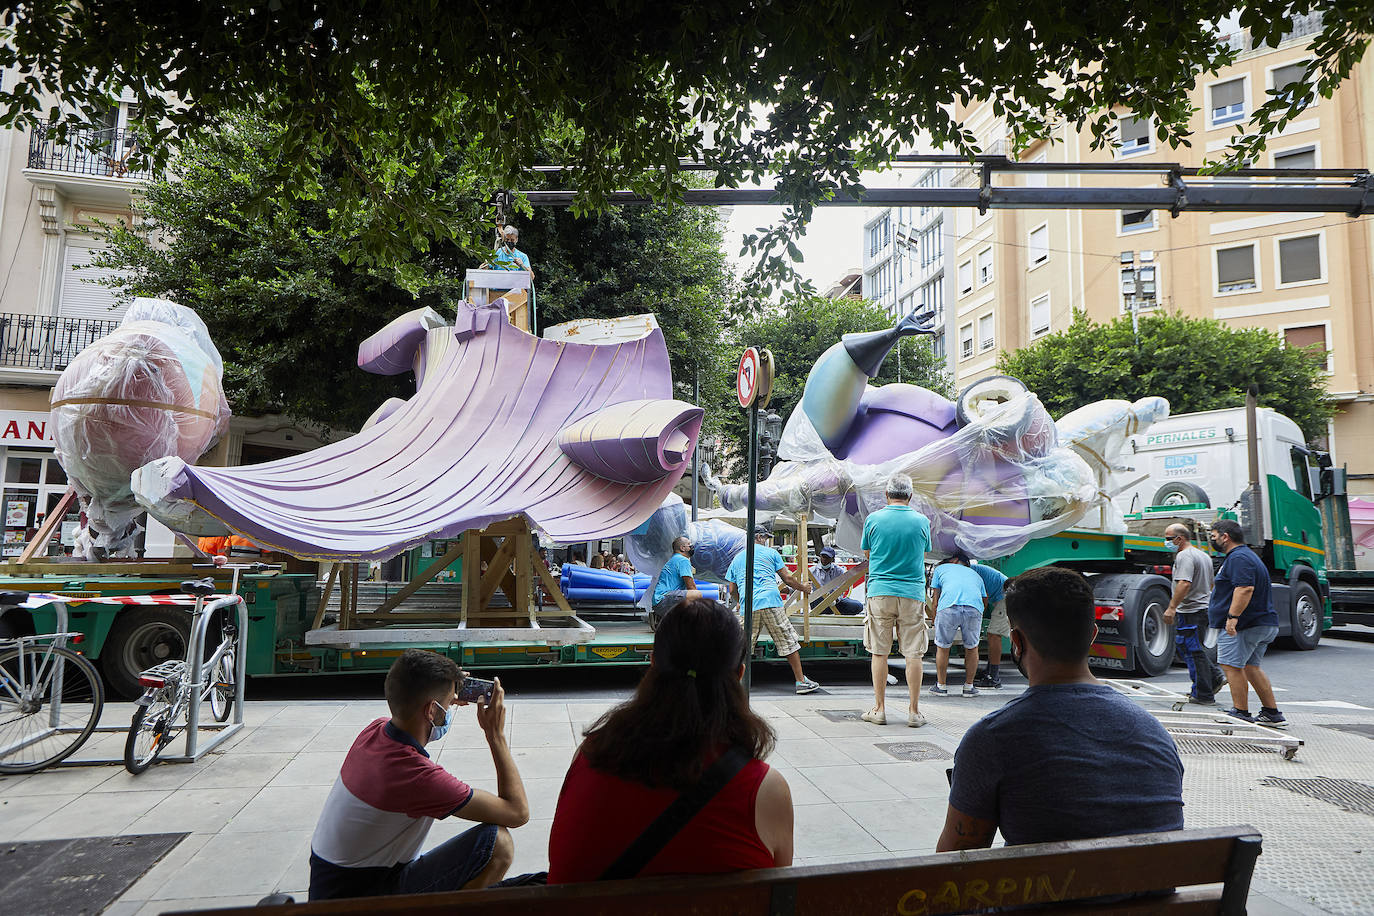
{"type": "Point", "coordinates": [47, 341]}
{"type": "Point", "coordinates": [106, 152]}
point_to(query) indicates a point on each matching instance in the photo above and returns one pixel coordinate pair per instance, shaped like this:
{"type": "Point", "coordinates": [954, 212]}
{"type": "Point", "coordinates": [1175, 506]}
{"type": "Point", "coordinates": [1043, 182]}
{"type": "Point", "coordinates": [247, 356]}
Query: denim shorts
{"type": "Point", "coordinates": [961, 621]}
{"type": "Point", "coordinates": [1246, 647]}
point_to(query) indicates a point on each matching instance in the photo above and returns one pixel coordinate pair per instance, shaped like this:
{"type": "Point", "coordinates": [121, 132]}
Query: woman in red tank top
{"type": "Point", "coordinates": [641, 756]}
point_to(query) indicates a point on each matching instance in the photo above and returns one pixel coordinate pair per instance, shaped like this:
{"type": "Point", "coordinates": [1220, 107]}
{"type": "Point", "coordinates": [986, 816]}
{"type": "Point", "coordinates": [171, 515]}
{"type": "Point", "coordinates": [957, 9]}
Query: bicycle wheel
{"type": "Point", "coordinates": [150, 731]}
{"type": "Point", "coordinates": [50, 701]}
{"type": "Point", "coordinates": [222, 691]}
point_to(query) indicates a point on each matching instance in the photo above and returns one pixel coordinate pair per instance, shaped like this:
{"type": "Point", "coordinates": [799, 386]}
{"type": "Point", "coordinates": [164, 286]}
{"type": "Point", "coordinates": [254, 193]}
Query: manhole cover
{"type": "Point", "coordinates": [842, 715]}
{"type": "Point", "coordinates": [1347, 794]}
{"type": "Point", "coordinates": [1355, 728]}
{"type": "Point", "coordinates": [1218, 746]}
{"type": "Point", "coordinates": [916, 750]}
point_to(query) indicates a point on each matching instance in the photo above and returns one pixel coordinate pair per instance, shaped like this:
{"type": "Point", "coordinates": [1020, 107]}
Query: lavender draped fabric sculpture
{"type": "Point", "coordinates": [479, 442]}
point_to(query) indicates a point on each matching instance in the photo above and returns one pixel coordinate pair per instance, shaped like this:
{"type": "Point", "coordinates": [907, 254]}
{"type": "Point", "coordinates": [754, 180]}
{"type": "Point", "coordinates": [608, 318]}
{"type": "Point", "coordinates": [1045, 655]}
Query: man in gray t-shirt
{"type": "Point", "coordinates": [1070, 758]}
{"type": "Point", "coordinates": [1188, 611]}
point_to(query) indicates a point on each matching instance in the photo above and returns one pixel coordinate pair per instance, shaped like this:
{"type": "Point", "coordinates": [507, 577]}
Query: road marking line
{"type": "Point", "coordinates": [1332, 704]}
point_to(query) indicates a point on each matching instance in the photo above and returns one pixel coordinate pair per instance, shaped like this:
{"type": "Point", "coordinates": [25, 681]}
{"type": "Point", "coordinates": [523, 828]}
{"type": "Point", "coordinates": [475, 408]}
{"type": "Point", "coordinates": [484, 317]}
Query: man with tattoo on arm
{"type": "Point", "coordinates": [1070, 758]}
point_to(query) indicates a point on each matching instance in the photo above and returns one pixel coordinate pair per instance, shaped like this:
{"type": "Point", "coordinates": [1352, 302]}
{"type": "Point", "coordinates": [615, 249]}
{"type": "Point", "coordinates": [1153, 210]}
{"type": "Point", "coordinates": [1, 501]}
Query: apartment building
{"type": "Point", "coordinates": [905, 259]}
{"type": "Point", "coordinates": [54, 197]}
{"type": "Point", "coordinates": [1306, 276]}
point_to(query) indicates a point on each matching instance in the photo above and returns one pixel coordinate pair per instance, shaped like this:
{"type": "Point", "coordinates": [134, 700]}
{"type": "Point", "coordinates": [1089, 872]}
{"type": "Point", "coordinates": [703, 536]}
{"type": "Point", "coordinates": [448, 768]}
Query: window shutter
{"type": "Point", "coordinates": [1288, 74]}
{"type": "Point", "coordinates": [1235, 265]}
{"type": "Point", "coordinates": [1133, 131]}
{"type": "Point", "coordinates": [1300, 259]}
{"type": "Point", "coordinates": [82, 295]}
{"type": "Point", "coordinates": [1310, 336]}
{"type": "Point", "coordinates": [1224, 95]}
{"type": "Point", "coordinates": [1296, 159]}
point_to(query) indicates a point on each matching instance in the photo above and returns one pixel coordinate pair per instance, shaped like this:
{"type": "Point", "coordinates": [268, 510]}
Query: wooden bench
{"type": "Point", "coordinates": [1187, 871]}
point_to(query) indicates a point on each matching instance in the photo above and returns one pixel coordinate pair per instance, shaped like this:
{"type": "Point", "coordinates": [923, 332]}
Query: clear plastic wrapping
{"type": "Point", "coordinates": [716, 543]}
{"type": "Point", "coordinates": [150, 389]}
{"type": "Point", "coordinates": [987, 489]}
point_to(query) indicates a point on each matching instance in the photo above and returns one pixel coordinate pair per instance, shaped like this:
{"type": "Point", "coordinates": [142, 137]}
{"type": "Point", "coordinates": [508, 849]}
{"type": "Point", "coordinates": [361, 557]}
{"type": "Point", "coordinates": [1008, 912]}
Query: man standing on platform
{"type": "Point", "coordinates": [895, 541]}
{"type": "Point", "coordinates": [675, 582]}
{"type": "Point", "coordinates": [827, 570]}
{"type": "Point", "coordinates": [1187, 610]}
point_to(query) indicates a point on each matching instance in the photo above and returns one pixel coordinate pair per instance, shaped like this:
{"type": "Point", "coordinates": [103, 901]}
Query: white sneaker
{"type": "Point", "coordinates": [915, 720]}
{"type": "Point", "coordinates": [876, 716]}
{"type": "Point", "coordinates": [806, 685]}
{"type": "Point", "coordinates": [970, 690]}
{"type": "Point", "coordinates": [892, 680]}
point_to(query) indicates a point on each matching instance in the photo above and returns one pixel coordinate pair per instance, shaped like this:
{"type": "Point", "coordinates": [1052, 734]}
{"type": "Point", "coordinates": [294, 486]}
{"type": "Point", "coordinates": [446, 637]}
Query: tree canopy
{"type": "Point", "coordinates": [808, 92]}
{"type": "Point", "coordinates": [268, 270]}
{"type": "Point", "coordinates": [1197, 363]}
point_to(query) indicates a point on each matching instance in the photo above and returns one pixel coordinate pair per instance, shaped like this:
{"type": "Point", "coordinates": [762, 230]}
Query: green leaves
{"type": "Point", "coordinates": [1197, 363]}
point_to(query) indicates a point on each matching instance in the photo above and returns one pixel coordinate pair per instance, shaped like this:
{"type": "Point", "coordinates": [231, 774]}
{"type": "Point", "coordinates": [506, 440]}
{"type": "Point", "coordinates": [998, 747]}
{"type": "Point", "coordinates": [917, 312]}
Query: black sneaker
{"type": "Point", "coordinates": [1241, 714]}
{"type": "Point", "coordinates": [1272, 718]}
{"type": "Point", "coordinates": [988, 681]}
{"type": "Point", "coordinates": [1202, 701]}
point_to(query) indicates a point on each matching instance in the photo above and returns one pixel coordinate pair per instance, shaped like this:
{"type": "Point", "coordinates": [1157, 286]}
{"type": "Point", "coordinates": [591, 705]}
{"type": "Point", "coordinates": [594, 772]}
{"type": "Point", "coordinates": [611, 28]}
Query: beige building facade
{"type": "Point", "coordinates": [1022, 274]}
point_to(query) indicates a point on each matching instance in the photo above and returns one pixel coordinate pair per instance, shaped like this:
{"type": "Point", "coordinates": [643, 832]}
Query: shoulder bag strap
{"type": "Point", "coordinates": [676, 816]}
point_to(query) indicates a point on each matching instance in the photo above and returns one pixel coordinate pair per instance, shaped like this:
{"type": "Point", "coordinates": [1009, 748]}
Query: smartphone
{"type": "Point", "coordinates": [475, 690]}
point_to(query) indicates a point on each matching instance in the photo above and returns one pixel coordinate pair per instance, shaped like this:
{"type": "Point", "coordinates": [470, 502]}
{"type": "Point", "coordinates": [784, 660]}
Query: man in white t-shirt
{"type": "Point", "coordinates": [1187, 610]}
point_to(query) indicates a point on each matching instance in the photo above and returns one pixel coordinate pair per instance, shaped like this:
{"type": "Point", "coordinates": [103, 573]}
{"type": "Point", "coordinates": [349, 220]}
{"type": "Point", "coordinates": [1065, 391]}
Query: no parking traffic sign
{"type": "Point", "coordinates": [754, 379]}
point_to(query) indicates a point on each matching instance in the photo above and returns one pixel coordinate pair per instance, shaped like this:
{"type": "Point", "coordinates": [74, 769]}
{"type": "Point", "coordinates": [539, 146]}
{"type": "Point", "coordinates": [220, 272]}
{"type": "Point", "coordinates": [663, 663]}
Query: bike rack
{"type": "Point", "coordinates": [195, 651]}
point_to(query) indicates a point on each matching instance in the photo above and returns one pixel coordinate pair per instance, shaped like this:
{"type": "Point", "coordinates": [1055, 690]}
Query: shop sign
{"type": "Point", "coordinates": [26, 426]}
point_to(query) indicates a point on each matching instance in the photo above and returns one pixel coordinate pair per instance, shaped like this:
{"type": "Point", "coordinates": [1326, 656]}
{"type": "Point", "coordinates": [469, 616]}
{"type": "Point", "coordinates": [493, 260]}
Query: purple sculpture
{"type": "Point", "coordinates": [582, 440]}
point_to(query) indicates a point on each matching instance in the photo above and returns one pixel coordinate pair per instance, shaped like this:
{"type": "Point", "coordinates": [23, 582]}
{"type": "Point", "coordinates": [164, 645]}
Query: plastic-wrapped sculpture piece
{"type": "Point", "coordinates": [150, 389]}
{"type": "Point", "coordinates": [582, 440]}
{"type": "Point", "coordinates": [991, 471]}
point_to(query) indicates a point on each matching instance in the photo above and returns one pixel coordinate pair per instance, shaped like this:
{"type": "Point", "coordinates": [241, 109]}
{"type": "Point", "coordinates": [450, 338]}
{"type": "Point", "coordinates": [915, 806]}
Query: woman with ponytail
{"type": "Point", "coordinates": [673, 781]}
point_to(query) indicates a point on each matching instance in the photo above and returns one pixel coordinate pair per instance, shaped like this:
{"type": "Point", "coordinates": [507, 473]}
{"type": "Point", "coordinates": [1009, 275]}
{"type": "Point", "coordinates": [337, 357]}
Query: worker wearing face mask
{"type": "Point", "coordinates": [675, 582]}
{"type": "Point", "coordinates": [1187, 610]}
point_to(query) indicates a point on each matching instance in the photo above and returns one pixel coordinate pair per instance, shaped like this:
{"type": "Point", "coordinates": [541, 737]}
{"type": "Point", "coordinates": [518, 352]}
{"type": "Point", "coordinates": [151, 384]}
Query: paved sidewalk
{"type": "Point", "coordinates": [251, 808]}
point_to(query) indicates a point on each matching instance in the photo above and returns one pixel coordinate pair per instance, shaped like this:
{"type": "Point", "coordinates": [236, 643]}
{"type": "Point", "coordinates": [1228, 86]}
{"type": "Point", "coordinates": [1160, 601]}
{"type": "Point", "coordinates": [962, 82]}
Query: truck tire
{"type": "Point", "coordinates": [141, 638]}
{"type": "Point", "coordinates": [1179, 493]}
{"type": "Point", "coordinates": [1154, 636]}
{"type": "Point", "coordinates": [1307, 617]}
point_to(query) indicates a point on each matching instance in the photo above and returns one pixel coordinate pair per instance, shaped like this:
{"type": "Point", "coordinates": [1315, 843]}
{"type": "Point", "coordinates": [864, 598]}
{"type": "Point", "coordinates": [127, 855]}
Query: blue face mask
{"type": "Point", "coordinates": [438, 731]}
{"type": "Point", "coordinates": [1173, 548]}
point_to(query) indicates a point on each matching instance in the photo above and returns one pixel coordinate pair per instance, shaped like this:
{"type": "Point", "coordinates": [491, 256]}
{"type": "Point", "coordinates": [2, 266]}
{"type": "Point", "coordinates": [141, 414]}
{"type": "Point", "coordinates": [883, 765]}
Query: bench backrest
{"type": "Point", "coordinates": [1009, 878]}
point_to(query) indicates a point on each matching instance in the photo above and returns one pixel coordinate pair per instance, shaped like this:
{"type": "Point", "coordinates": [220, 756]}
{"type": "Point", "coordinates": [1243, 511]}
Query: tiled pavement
{"type": "Point", "coordinates": [255, 803]}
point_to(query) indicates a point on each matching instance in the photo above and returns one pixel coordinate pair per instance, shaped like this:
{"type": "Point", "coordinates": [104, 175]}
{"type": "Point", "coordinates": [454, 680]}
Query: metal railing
{"type": "Point", "coordinates": [106, 152]}
{"type": "Point", "coordinates": [1303, 26]}
{"type": "Point", "coordinates": [47, 341]}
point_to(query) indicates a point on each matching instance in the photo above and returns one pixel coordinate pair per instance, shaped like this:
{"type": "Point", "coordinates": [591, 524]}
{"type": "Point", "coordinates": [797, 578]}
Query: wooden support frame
{"type": "Point", "coordinates": [824, 599]}
{"type": "Point", "coordinates": [51, 523]}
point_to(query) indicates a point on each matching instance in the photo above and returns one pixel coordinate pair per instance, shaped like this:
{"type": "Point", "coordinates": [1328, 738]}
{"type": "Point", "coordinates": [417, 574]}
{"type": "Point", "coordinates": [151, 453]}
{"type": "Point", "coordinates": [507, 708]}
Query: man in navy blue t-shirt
{"type": "Point", "coordinates": [1242, 602]}
{"type": "Point", "coordinates": [1070, 758]}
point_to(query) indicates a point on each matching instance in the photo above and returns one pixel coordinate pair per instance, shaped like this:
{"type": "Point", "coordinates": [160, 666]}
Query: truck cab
{"type": "Point", "coordinates": [1200, 461]}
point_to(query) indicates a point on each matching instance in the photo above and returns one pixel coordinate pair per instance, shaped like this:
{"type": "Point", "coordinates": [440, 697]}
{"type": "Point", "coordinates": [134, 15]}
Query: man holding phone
{"type": "Point", "coordinates": [389, 793]}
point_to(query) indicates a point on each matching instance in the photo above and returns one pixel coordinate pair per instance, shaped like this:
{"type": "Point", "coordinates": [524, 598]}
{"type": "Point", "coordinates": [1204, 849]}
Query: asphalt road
{"type": "Point", "coordinates": [1341, 669]}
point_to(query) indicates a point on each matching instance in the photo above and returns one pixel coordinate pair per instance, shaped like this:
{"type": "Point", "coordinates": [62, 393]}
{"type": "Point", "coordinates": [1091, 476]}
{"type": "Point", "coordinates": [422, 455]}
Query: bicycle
{"type": "Point", "coordinates": [50, 696]}
{"type": "Point", "coordinates": [174, 690]}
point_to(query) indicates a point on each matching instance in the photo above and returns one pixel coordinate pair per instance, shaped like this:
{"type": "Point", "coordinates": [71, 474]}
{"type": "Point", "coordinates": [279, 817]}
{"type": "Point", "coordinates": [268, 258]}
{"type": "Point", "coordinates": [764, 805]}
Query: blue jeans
{"type": "Point", "coordinates": [446, 867]}
{"type": "Point", "coordinates": [1201, 661]}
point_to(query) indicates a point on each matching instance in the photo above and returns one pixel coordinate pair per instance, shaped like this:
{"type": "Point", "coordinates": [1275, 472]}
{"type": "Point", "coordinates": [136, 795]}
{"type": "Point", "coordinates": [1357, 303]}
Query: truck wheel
{"type": "Point", "coordinates": [1154, 635]}
{"type": "Point", "coordinates": [140, 639]}
{"type": "Point", "coordinates": [1179, 493]}
{"type": "Point", "coordinates": [1307, 618]}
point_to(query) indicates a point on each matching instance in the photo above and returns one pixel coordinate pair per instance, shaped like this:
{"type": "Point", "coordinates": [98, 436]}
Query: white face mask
{"type": "Point", "coordinates": [438, 731]}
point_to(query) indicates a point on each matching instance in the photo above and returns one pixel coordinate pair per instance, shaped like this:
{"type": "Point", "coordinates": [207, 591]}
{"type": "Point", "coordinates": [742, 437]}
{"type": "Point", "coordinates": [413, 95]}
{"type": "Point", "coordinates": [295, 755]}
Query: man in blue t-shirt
{"type": "Point", "coordinates": [767, 602]}
{"type": "Point", "coordinates": [956, 607]}
{"type": "Point", "coordinates": [998, 626]}
{"type": "Point", "coordinates": [895, 541]}
{"type": "Point", "coordinates": [1070, 758]}
{"type": "Point", "coordinates": [1243, 603]}
{"type": "Point", "coordinates": [675, 581]}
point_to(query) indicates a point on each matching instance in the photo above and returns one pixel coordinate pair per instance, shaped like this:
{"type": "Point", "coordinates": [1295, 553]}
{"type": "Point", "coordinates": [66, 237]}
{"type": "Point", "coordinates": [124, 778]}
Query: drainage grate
{"type": "Point", "coordinates": [84, 875]}
{"type": "Point", "coordinates": [1346, 794]}
{"type": "Point", "coordinates": [916, 751]}
{"type": "Point", "coordinates": [842, 715]}
{"type": "Point", "coordinates": [1207, 746]}
{"type": "Point", "coordinates": [1355, 728]}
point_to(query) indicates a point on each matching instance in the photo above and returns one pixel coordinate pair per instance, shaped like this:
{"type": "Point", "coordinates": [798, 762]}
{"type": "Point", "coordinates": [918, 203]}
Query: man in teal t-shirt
{"type": "Point", "coordinates": [768, 565]}
{"type": "Point", "coordinates": [675, 582]}
{"type": "Point", "coordinates": [895, 541]}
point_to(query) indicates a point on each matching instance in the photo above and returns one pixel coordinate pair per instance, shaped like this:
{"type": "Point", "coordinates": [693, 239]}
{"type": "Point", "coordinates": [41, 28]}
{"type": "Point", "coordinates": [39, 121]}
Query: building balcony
{"type": "Point", "coordinates": [1244, 44]}
{"type": "Point", "coordinates": [95, 163]}
{"type": "Point", "coordinates": [35, 348]}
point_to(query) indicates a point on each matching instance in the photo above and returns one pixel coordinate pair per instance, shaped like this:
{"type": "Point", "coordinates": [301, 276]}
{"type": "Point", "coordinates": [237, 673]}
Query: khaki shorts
{"type": "Point", "coordinates": [998, 624]}
{"type": "Point", "coordinates": [907, 615]}
{"type": "Point", "coordinates": [779, 629]}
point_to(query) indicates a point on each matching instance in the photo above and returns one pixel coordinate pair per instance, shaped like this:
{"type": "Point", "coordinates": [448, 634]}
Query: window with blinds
{"type": "Point", "coordinates": [1311, 338]}
{"type": "Point", "coordinates": [1228, 102]}
{"type": "Point", "coordinates": [1285, 76]}
{"type": "Point", "coordinates": [1300, 259]}
{"type": "Point", "coordinates": [1040, 314]}
{"type": "Point", "coordinates": [1304, 158]}
{"type": "Point", "coordinates": [1137, 220]}
{"type": "Point", "coordinates": [1133, 134]}
{"type": "Point", "coordinates": [1039, 244]}
{"type": "Point", "coordinates": [82, 295]}
{"type": "Point", "coordinates": [986, 340]}
{"type": "Point", "coordinates": [966, 341]}
{"type": "Point", "coordinates": [1236, 269]}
